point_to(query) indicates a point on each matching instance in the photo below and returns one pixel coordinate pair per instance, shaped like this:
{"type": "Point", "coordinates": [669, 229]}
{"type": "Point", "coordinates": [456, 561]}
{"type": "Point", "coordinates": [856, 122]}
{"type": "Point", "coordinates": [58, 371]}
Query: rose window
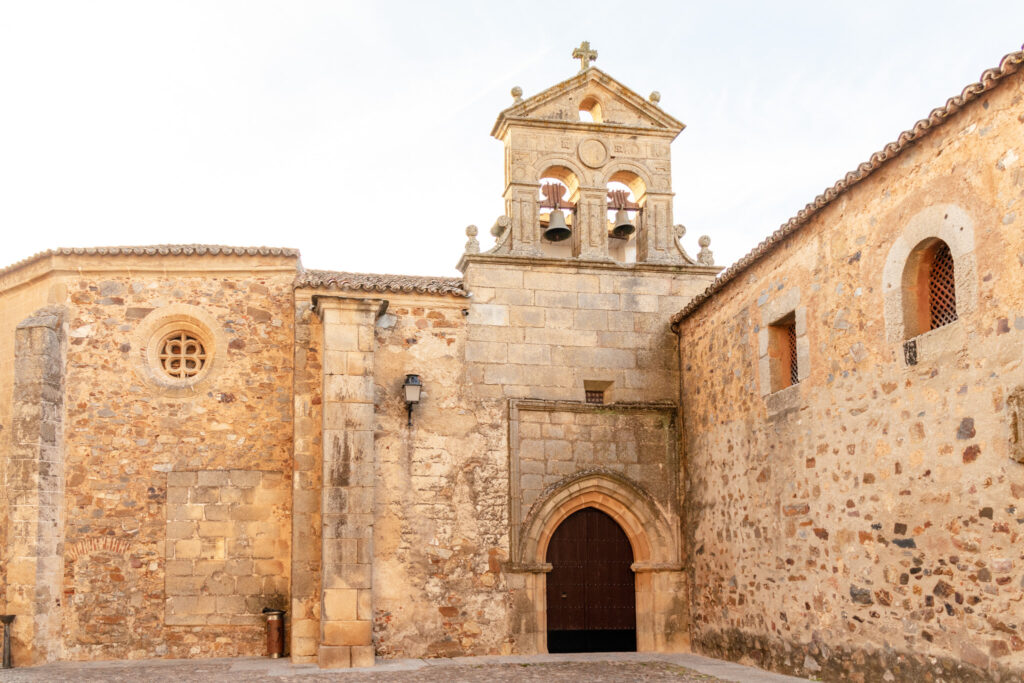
{"type": "Point", "coordinates": [182, 355]}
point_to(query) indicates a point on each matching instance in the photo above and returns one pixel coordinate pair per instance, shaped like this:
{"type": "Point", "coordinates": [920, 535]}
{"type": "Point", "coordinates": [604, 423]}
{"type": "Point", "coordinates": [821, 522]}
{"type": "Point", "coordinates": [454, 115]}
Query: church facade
{"type": "Point", "coordinates": [591, 440]}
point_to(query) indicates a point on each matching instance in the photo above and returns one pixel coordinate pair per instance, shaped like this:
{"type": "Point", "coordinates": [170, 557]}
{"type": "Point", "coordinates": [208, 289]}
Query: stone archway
{"type": "Point", "coordinates": [662, 617]}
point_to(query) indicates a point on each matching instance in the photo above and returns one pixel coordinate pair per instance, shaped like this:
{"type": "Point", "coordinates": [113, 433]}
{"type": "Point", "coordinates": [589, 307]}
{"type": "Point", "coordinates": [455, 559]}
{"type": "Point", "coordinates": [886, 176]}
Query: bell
{"type": "Point", "coordinates": [623, 228]}
{"type": "Point", "coordinates": [557, 230]}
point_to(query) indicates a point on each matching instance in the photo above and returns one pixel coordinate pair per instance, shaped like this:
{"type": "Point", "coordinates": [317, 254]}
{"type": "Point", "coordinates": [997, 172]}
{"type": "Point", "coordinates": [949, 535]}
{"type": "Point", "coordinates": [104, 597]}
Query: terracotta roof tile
{"type": "Point", "coordinates": [374, 282]}
{"type": "Point", "coordinates": [156, 250]}
{"type": "Point", "coordinates": [990, 78]}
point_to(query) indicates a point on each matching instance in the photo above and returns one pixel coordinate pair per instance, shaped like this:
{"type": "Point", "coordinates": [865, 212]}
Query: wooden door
{"type": "Point", "coordinates": [591, 591]}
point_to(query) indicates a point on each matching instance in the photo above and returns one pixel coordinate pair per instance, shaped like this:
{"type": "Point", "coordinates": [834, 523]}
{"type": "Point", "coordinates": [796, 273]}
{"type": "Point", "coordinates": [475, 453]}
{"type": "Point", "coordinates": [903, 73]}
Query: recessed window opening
{"type": "Point", "coordinates": [590, 110]}
{"type": "Point", "coordinates": [596, 391]}
{"type": "Point", "coordinates": [929, 288]}
{"type": "Point", "coordinates": [784, 366]}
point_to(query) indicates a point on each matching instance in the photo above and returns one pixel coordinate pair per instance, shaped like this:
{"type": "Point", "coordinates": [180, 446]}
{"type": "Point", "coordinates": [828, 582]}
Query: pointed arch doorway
{"type": "Point", "coordinates": [591, 588]}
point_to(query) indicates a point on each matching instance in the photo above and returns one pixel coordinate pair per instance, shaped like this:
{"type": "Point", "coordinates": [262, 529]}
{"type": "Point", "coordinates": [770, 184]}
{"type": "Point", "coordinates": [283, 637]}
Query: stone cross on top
{"type": "Point", "coordinates": [584, 54]}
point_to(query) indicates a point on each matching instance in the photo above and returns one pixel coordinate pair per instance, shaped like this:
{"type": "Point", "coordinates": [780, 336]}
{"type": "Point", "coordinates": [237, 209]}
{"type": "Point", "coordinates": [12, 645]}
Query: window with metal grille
{"type": "Point", "coordinates": [785, 370]}
{"type": "Point", "coordinates": [941, 287]}
{"type": "Point", "coordinates": [596, 397]}
{"type": "Point", "coordinates": [794, 376]}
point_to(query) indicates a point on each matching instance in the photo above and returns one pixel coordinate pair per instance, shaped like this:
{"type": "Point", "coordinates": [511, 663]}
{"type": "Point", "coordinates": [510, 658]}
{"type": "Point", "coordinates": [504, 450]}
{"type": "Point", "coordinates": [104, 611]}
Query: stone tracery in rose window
{"type": "Point", "coordinates": [182, 355]}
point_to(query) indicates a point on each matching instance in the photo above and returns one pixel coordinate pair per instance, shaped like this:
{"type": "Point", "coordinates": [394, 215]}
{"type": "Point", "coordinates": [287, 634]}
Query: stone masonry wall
{"type": "Point", "coordinates": [441, 531]}
{"type": "Point", "coordinates": [304, 618]}
{"type": "Point", "coordinates": [546, 330]}
{"type": "Point", "coordinates": [17, 303]}
{"type": "Point", "coordinates": [227, 546]}
{"type": "Point", "coordinates": [34, 486]}
{"type": "Point", "coordinates": [866, 523]}
{"type": "Point", "coordinates": [177, 497]}
{"type": "Point", "coordinates": [636, 442]}
{"type": "Point", "coordinates": [539, 330]}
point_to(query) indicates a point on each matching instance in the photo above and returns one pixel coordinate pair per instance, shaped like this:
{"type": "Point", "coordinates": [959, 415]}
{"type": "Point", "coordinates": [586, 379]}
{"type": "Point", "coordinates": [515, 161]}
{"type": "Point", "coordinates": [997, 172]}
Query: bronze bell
{"type": "Point", "coordinates": [623, 228]}
{"type": "Point", "coordinates": [557, 230]}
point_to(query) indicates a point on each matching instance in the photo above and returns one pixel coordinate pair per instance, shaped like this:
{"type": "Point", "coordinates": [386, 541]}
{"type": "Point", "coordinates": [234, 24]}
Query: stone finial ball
{"type": "Point", "coordinates": [655, 96]}
{"type": "Point", "coordinates": [704, 241]}
{"type": "Point", "coordinates": [517, 92]}
{"type": "Point", "coordinates": [471, 231]}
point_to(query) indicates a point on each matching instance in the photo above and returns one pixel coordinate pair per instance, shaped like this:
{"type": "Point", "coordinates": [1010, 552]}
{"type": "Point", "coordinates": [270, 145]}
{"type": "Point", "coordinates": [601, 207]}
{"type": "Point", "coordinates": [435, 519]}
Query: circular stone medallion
{"type": "Point", "coordinates": [593, 153]}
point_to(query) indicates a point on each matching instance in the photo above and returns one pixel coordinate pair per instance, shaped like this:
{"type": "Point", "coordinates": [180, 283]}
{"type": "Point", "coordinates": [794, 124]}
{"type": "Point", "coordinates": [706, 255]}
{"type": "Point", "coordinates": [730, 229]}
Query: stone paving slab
{"type": "Point", "coordinates": [590, 667]}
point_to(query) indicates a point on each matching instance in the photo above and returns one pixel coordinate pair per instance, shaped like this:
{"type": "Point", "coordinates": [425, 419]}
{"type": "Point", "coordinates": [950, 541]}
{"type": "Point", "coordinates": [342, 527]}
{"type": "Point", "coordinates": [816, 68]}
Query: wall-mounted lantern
{"type": "Point", "coordinates": [413, 387]}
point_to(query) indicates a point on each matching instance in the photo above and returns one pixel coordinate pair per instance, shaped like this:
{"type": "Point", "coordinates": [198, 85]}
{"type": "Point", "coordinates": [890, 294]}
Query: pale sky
{"type": "Point", "coordinates": [358, 132]}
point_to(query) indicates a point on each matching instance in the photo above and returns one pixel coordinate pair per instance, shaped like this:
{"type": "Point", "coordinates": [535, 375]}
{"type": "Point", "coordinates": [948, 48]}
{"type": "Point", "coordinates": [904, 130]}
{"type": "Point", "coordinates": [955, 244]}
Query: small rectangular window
{"type": "Point", "coordinates": [596, 397]}
{"type": "Point", "coordinates": [785, 370]}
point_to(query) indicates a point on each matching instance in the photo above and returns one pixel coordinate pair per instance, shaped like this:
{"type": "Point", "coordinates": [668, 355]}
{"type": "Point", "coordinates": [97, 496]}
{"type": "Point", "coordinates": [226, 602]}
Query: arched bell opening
{"type": "Point", "coordinates": [559, 192]}
{"type": "Point", "coordinates": [591, 588]}
{"type": "Point", "coordinates": [627, 194]}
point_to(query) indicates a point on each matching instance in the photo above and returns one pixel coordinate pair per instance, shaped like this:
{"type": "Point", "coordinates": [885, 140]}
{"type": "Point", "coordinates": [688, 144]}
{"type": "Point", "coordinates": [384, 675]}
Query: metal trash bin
{"type": "Point", "coordinates": [6, 620]}
{"type": "Point", "coordinates": [275, 632]}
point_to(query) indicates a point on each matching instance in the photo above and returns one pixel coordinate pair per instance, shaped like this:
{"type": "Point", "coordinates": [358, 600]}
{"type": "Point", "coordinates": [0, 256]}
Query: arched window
{"type": "Point", "coordinates": [929, 288]}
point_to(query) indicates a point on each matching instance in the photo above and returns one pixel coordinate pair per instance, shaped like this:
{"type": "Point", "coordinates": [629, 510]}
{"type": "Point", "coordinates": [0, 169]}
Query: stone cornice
{"type": "Point", "coordinates": [663, 123]}
{"type": "Point", "coordinates": [597, 128]}
{"type": "Point", "coordinates": [323, 302]}
{"type": "Point", "coordinates": [545, 405]}
{"type": "Point", "coordinates": [181, 260]}
{"type": "Point", "coordinates": [582, 264]}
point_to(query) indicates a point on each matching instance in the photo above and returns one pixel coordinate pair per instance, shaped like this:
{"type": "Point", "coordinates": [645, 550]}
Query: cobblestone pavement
{"type": "Point", "coordinates": [590, 668]}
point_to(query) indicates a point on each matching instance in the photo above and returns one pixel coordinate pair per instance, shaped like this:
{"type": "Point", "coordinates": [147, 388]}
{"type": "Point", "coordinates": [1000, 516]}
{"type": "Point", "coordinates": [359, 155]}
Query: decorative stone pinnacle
{"type": "Point", "coordinates": [517, 94]}
{"type": "Point", "coordinates": [705, 257]}
{"type": "Point", "coordinates": [585, 55]}
{"type": "Point", "coordinates": [472, 245]}
{"type": "Point", "coordinates": [654, 97]}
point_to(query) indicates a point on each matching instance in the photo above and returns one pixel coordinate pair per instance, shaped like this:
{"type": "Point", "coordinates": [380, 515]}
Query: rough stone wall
{"type": "Point", "coordinates": [441, 530]}
{"type": "Point", "coordinates": [131, 446]}
{"type": "Point", "coordinates": [866, 523]}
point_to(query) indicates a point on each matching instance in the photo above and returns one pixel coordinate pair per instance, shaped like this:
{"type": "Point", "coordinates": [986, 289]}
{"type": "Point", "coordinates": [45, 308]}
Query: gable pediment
{"type": "Point", "coordinates": [619, 106]}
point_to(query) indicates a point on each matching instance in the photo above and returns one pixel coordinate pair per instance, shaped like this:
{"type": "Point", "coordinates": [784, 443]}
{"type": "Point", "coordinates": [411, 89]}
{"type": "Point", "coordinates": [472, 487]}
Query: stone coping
{"type": "Point", "coordinates": [155, 250]}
